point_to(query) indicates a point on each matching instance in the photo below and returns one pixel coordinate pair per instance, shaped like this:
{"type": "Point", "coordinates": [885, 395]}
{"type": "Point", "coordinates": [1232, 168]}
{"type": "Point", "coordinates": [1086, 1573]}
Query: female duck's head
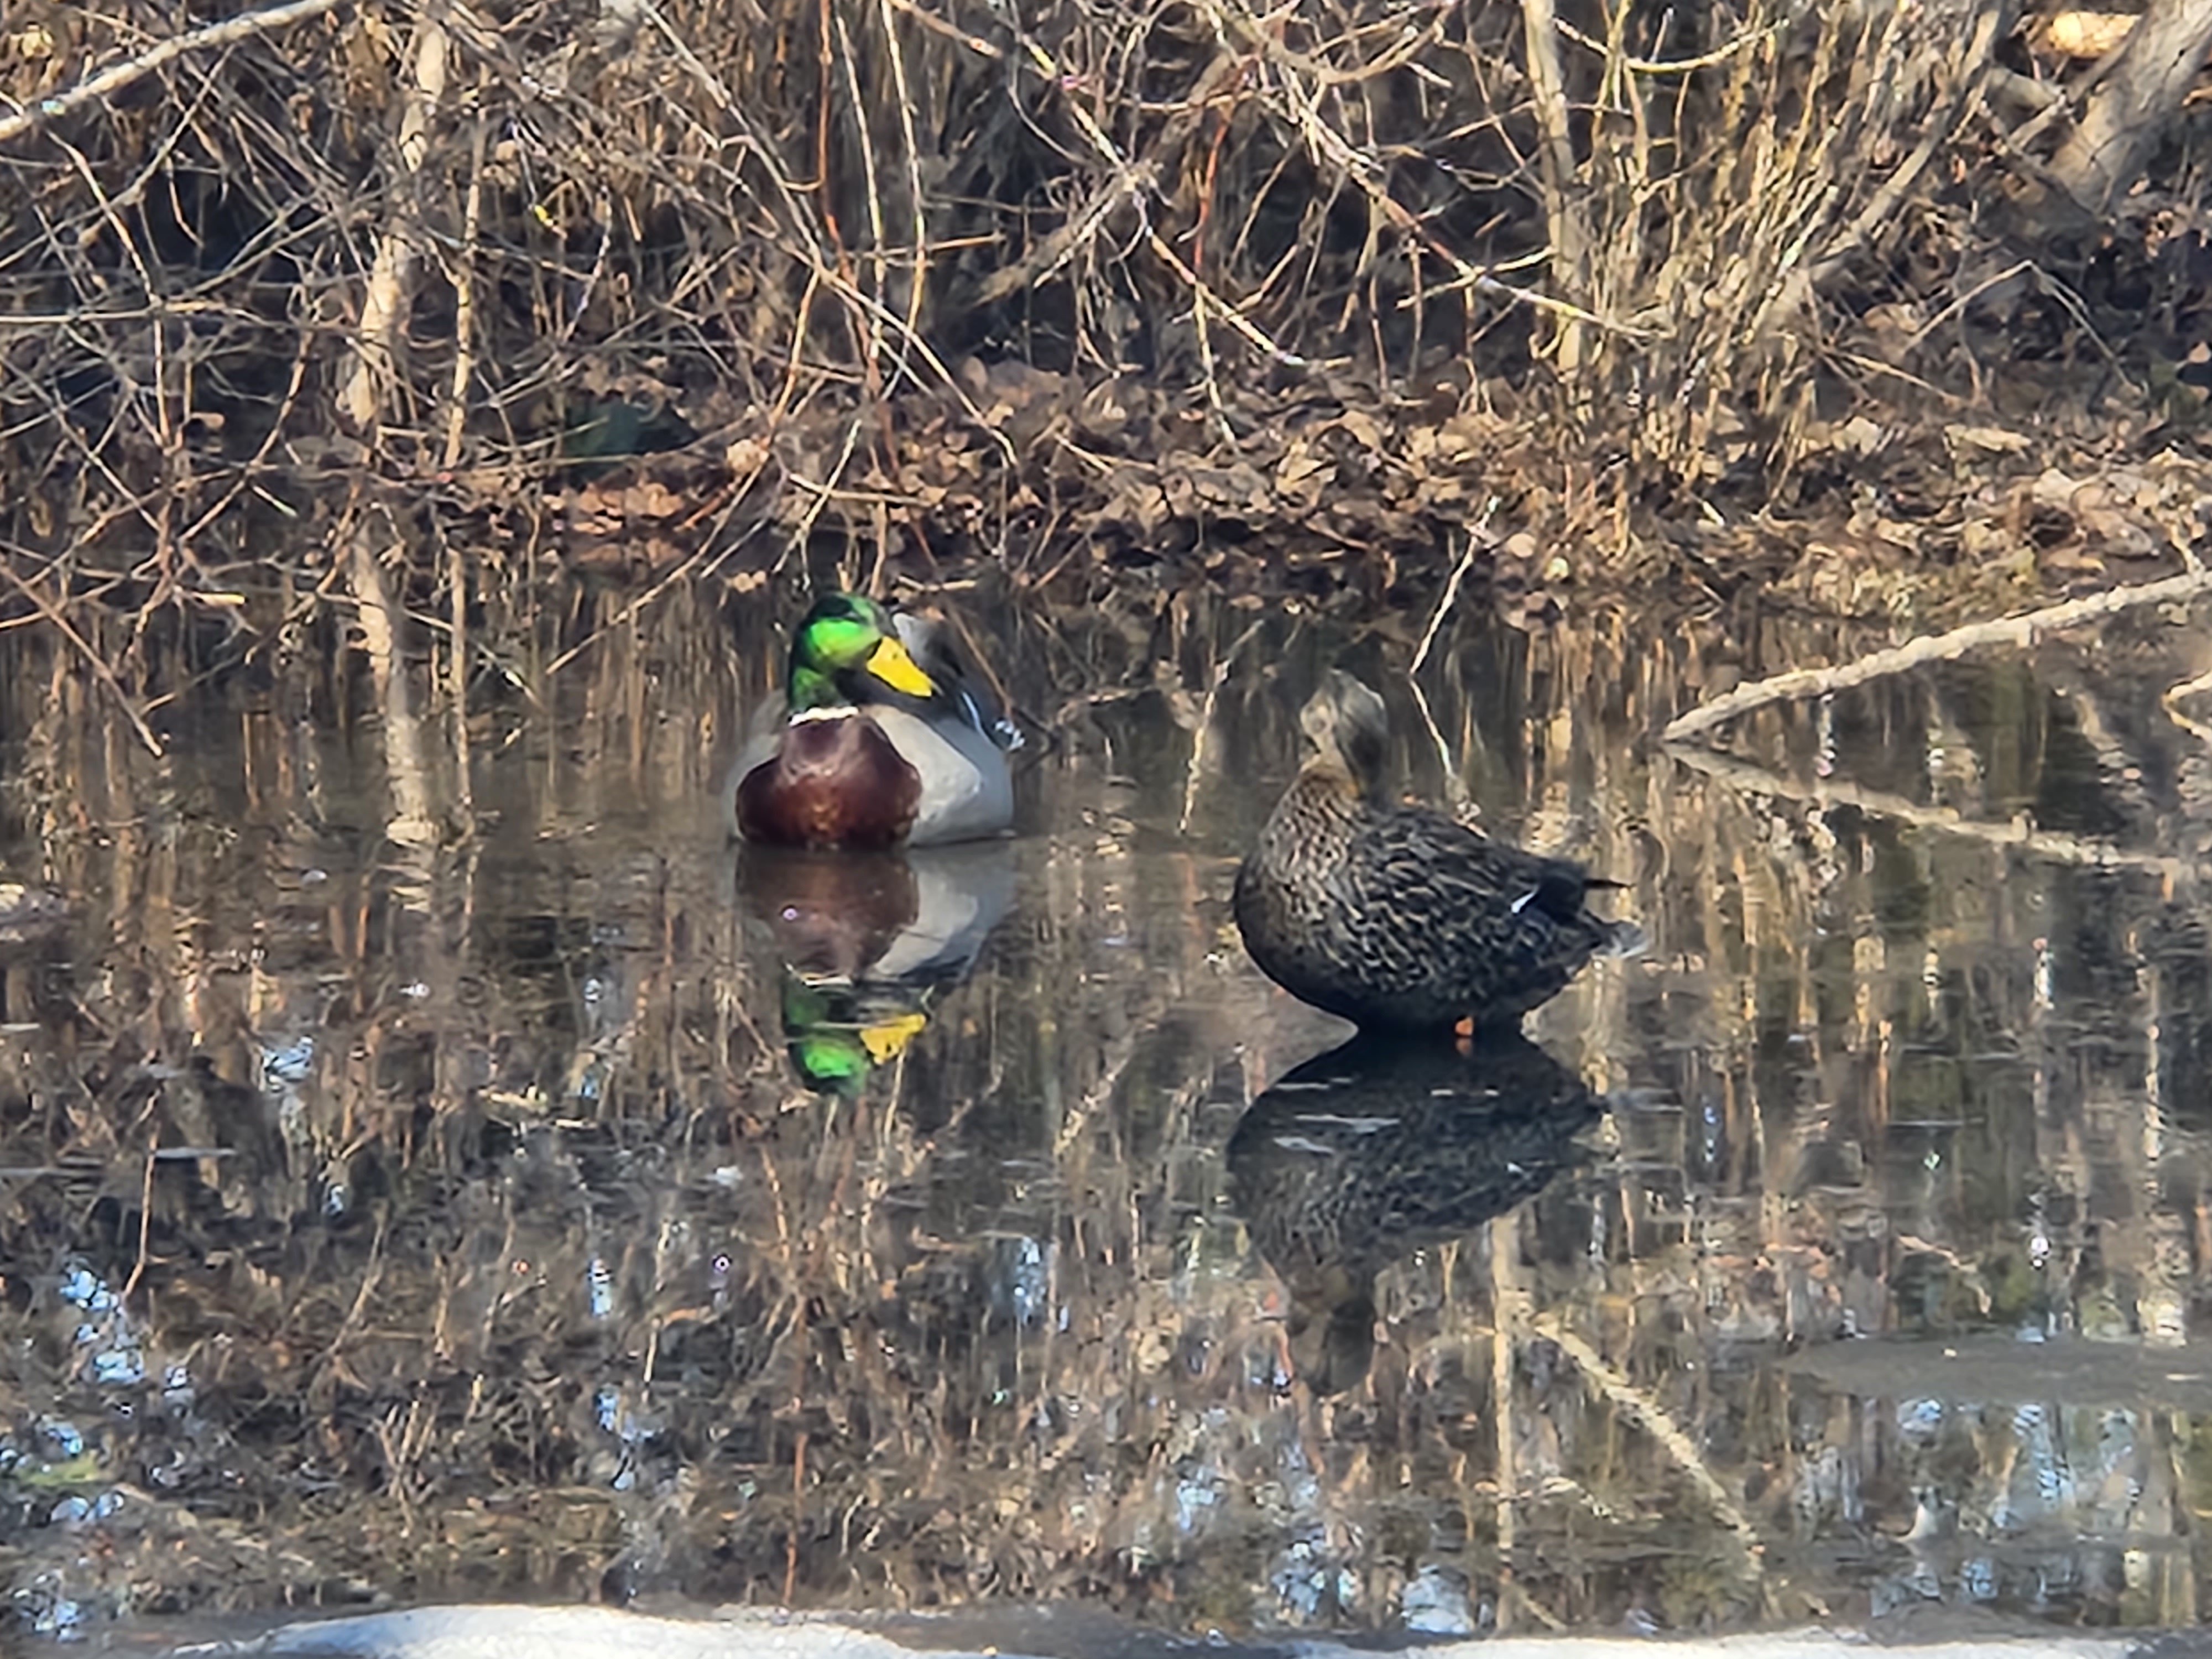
{"type": "Point", "coordinates": [1345, 721]}
{"type": "Point", "coordinates": [845, 647]}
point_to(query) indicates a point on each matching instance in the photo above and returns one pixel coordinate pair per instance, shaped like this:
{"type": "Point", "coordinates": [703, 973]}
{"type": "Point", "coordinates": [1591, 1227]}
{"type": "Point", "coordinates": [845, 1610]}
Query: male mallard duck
{"type": "Point", "coordinates": [885, 744]}
{"type": "Point", "coordinates": [1394, 915]}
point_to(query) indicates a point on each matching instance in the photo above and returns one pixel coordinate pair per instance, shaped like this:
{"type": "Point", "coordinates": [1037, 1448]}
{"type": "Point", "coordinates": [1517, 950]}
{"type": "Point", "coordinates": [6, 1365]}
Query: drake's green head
{"type": "Point", "coordinates": [848, 638]}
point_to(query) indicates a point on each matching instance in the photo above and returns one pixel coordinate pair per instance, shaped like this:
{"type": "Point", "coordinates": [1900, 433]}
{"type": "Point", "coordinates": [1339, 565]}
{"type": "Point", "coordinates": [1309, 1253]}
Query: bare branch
{"type": "Point", "coordinates": [2020, 631]}
{"type": "Point", "coordinates": [115, 76]}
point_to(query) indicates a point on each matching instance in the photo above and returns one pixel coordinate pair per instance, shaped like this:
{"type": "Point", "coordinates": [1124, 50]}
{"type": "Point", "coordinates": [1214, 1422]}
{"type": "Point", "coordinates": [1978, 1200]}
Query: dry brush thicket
{"type": "Point", "coordinates": [926, 281]}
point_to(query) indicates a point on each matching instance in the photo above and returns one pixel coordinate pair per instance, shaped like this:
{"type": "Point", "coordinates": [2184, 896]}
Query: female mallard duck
{"type": "Point", "coordinates": [885, 744]}
{"type": "Point", "coordinates": [1394, 915]}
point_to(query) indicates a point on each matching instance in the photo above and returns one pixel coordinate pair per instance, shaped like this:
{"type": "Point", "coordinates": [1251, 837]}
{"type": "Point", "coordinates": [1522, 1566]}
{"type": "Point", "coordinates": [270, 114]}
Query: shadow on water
{"type": "Point", "coordinates": [587, 1210]}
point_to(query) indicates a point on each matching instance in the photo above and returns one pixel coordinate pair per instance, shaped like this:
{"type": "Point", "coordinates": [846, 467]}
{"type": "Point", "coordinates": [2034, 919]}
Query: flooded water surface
{"type": "Point", "coordinates": [576, 1207]}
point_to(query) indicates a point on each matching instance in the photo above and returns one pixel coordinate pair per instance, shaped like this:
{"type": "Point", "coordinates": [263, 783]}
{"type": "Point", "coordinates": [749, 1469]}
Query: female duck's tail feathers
{"type": "Point", "coordinates": [1558, 891]}
{"type": "Point", "coordinates": [1561, 891]}
{"type": "Point", "coordinates": [1622, 938]}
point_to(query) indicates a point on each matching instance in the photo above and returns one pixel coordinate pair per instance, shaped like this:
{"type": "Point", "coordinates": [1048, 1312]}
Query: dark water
{"type": "Point", "coordinates": [544, 1214]}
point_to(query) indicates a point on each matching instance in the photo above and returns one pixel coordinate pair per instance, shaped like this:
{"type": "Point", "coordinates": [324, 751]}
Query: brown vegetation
{"type": "Point", "coordinates": [931, 283]}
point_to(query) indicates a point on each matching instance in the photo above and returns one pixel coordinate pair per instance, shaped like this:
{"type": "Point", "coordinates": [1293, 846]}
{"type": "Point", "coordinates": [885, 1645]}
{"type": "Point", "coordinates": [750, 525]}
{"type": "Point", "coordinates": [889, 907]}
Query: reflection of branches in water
{"type": "Point", "coordinates": [583, 1313]}
{"type": "Point", "coordinates": [2043, 843]}
{"type": "Point", "coordinates": [1680, 1447]}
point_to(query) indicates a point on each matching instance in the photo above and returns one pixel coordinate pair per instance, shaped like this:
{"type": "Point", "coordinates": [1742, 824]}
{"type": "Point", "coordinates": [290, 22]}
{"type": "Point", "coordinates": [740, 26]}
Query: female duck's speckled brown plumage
{"type": "Point", "coordinates": [1393, 916]}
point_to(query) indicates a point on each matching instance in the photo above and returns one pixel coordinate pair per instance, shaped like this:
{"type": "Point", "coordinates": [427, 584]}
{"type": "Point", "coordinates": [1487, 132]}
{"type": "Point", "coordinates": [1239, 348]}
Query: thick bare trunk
{"type": "Point", "coordinates": [1563, 191]}
{"type": "Point", "coordinates": [392, 279]}
{"type": "Point", "coordinates": [2127, 111]}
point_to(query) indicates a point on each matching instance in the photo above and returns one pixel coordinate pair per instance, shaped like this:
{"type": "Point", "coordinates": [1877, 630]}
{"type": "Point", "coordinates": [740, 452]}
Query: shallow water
{"type": "Point", "coordinates": [539, 1215]}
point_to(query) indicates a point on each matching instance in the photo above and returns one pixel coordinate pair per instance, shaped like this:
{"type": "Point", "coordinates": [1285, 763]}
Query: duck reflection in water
{"type": "Point", "coordinates": [869, 943]}
{"type": "Point", "coordinates": [1367, 1153]}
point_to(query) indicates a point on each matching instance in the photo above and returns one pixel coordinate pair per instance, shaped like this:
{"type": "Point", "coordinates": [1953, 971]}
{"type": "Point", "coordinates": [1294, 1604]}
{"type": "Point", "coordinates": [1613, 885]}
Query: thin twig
{"type": "Point", "coordinates": [1126, 184]}
{"type": "Point", "coordinates": [1203, 297]}
{"type": "Point", "coordinates": [145, 1216]}
{"type": "Point", "coordinates": [1474, 539]}
{"type": "Point", "coordinates": [1672, 66]}
{"type": "Point", "coordinates": [1465, 809]}
{"type": "Point", "coordinates": [936, 25]}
